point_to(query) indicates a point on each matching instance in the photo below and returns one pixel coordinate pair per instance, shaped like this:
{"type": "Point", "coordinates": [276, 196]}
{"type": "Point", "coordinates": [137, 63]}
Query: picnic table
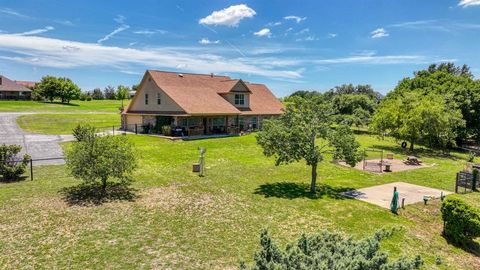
{"type": "Point", "coordinates": [413, 160]}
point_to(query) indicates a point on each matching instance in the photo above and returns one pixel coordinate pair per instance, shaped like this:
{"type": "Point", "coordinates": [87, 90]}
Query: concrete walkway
{"type": "Point", "coordinates": [36, 145]}
{"type": "Point", "coordinates": [382, 195]}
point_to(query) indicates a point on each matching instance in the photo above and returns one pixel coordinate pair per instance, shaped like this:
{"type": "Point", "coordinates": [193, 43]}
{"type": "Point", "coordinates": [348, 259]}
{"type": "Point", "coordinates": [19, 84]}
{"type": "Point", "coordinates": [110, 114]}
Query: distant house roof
{"type": "Point", "coordinates": [203, 93]}
{"type": "Point", "coordinates": [8, 85]}
{"type": "Point", "coordinates": [27, 84]}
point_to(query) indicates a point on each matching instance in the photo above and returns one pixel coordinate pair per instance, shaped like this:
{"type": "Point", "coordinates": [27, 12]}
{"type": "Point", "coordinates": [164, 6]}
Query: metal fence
{"type": "Point", "coordinates": [29, 171]}
{"type": "Point", "coordinates": [466, 182]}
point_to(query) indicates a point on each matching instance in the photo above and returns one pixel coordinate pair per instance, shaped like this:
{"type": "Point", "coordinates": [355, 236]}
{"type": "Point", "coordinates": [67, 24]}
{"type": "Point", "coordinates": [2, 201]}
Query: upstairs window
{"type": "Point", "coordinates": [146, 99]}
{"type": "Point", "coordinates": [159, 99]}
{"type": "Point", "coordinates": [239, 99]}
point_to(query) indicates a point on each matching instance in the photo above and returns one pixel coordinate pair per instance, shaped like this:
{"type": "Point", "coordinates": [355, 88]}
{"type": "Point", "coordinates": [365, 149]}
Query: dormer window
{"type": "Point", "coordinates": [239, 99]}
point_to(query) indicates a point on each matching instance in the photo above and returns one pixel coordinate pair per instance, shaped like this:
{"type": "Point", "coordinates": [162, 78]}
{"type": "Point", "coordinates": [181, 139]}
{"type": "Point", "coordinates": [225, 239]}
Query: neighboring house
{"type": "Point", "coordinates": [12, 90]}
{"type": "Point", "coordinates": [27, 84]}
{"type": "Point", "coordinates": [199, 104]}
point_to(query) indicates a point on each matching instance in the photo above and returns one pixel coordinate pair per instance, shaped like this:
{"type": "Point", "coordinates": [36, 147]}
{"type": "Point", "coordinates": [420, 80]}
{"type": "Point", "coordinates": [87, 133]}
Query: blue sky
{"type": "Point", "coordinates": [288, 45]}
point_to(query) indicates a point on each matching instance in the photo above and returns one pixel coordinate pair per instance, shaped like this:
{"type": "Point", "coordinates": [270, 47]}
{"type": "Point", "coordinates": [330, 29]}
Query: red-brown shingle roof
{"type": "Point", "coordinates": [8, 85]}
{"type": "Point", "coordinates": [201, 93]}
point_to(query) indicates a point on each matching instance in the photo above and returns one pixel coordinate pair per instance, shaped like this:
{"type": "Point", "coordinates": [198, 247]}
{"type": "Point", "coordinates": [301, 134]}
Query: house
{"type": "Point", "coordinates": [12, 90]}
{"type": "Point", "coordinates": [199, 104]}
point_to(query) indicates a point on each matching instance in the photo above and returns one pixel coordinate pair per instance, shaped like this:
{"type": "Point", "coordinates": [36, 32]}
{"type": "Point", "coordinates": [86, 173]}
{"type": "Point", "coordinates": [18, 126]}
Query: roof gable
{"type": "Point", "coordinates": [9, 85]}
{"type": "Point", "coordinates": [202, 93]}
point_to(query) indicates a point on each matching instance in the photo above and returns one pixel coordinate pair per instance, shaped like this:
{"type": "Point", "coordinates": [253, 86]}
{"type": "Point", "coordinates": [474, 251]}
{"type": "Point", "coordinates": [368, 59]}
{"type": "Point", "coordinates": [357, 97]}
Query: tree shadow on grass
{"type": "Point", "coordinates": [292, 190]}
{"type": "Point", "coordinates": [472, 247]}
{"type": "Point", "coordinates": [60, 103]}
{"type": "Point", "coordinates": [92, 194]}
{"type": "Point", "coordinates": [421, 152]}
{"type": "Point", "coordinates": [18, 179]}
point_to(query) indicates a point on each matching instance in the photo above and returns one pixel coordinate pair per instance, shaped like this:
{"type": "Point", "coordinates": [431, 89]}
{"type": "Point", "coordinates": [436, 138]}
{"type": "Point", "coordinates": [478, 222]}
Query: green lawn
{"type": "Point", "coordinates": [64, 123]}
{"type": "Point", "coordinates": [181, 221]}
{"type": "Point", "coordinates": [75, 106]}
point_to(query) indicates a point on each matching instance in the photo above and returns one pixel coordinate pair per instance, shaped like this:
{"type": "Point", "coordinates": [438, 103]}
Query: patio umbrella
{"type": "Point", "coordinates": [394, 203]}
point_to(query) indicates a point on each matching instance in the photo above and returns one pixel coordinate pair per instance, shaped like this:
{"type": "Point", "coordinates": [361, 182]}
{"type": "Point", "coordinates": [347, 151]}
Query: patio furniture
{"type": "Point", "coordinates": [412, 160]}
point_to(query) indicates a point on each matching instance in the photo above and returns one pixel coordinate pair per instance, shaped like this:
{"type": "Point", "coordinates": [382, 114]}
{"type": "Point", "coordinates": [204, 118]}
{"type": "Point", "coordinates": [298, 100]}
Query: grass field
{"type": "Point", "coordinates": [178, 220]}
{"type": "Point", "coordinates": [64, 123]}
{"type": "Point", "coordinates": [75, 106]}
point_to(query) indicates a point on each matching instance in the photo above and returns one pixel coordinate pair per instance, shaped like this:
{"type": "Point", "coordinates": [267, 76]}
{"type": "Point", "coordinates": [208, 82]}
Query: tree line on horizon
{"type": "Point", "coordinates": [52, 88]}
{"type": "Point", "coordinates": [438, 107]}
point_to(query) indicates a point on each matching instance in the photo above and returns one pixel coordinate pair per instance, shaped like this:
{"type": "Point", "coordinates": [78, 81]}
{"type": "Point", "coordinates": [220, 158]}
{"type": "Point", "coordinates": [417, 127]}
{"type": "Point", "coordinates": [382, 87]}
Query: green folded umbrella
{"type": "Point", "coordinates": [394, 203]}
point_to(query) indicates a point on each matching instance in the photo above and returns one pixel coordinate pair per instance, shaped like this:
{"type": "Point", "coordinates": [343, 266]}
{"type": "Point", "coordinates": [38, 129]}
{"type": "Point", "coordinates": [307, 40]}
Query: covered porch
{"type": "Point", "coordinates": [206, 125]}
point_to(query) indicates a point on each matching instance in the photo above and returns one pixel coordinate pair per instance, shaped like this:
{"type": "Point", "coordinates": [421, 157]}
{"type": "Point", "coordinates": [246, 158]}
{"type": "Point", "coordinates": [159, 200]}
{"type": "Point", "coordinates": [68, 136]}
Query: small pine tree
{"type": "Point", "coordinates": [326, 251]}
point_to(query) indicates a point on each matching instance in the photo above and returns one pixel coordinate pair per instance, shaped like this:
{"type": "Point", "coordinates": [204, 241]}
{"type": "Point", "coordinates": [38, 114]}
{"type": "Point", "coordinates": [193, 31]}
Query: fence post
{"type": "Point", "coordinates": [456, 184]}
{"type": "Point", "coordinates": [113, 130]}
{"type": "Point", "coordinates": [136, 132]}
{"type": "Point", "coordinates": [31, 170]}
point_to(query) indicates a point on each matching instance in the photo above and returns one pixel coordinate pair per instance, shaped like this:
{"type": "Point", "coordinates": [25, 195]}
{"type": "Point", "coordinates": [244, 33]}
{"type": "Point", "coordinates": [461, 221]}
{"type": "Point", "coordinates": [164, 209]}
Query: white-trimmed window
{"type": "Point", "coordinates": [239, 99]}
{"type": "Point", "coordinates": [146, 99]}
{"type": "Point", "coordinates": [159, 98]}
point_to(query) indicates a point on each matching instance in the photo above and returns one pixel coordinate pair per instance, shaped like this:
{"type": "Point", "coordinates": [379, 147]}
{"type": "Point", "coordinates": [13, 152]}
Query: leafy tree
{"type": "Point", "coordinates": [326, 251]}
{"type": "Point", "coordinates": [67, 90]}
{"type": "Point", "coordinates": [84, 133]}
{"type": "Point", "coordinates": [101, 159]}
{"type": "Point", "coordinates": [135, 87]}
{"type": "Point", "coordinates": [97, 94]}
{"type": "Point", "coordinates": [456, 85]}
{"type": "Point", "coordinates": [63, 88]}
{"type": "Point", "coordinates": [122, 93]}
{"type": "Point", "coordinates": [109, 92]}
{"type": "Point", "coordinates": [48, 87]}
{"type": "Point", "coordinates": [304, 132]}
{"type": "Point", "coordinates": [417, 118]}
{"type": "Point", "coordinates": [11, 165]}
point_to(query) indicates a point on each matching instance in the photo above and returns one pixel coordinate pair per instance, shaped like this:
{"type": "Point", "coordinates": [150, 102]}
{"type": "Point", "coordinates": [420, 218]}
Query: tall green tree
{"type": "Point", "coordinates": [97, 94]}
{"type": "Point", "coordinates": [109, 92]}
{"type": "Point", "coordinates": [122, 93]}
{"type": "Point", "coordinates": [304, 132]}
{"type": "Point", "coordinates": [418, 118]}
{"type": "Point", "coordinates": [68, 90]}
{"type": "Point", "coordinates": [457, 85]}
{"type": "Point", "coordinates": [52, 88]}
{"type": "Point", "coordinates": [48, 87]}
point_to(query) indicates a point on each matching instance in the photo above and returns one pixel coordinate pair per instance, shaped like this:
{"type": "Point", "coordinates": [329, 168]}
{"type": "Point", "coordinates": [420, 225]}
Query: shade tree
{"type": "Point", "coordinates": [305, 132]}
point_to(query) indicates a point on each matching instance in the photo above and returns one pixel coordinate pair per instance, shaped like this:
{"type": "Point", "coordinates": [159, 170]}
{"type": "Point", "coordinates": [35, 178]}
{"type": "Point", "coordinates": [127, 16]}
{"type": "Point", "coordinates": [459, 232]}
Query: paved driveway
{"type": "Point", "coordinates": [36, 145]}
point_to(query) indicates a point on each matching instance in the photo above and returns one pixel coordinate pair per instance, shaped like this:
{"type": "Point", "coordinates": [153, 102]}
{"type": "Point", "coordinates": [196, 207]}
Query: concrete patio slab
{"type": "Point", "coordinates": [382, 195]}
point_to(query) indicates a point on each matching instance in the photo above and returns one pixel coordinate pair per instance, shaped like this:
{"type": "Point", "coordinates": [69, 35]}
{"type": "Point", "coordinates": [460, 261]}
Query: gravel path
{"type": "Point", "coordinates": [36, 145]}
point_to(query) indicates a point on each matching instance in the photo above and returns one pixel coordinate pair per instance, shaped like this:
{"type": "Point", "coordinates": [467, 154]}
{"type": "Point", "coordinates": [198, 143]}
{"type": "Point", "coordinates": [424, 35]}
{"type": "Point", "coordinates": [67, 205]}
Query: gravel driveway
{"type": "Point", "coordinates": [36, 145]}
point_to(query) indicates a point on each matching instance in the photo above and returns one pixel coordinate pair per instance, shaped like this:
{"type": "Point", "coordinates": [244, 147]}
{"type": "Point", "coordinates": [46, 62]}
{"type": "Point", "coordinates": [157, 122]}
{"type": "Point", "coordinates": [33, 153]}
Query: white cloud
{"type": "Point", "coordinates": [265, 32]}
{"type": "Point", "coordinates": [468, 3]}
{"type": "Point", "coordinates": [12, 12]}
{"type": "Point", "coordinates": [303, 31]}
{"type": "Point", "coordinates": [148, 32]}
{"type": "Point", "coordinates": [230, 16]}
{"type": "Point", "coordinates": [379, 33]}
{"type": "Point", "coordinates": [332, 35]}
{"type": "Point", "coordinates": [113, 33]}
{"type": "Point", "coordinates": [206, 41]}
{"type": "Point", "coordinates": [274, 23]}
{"type": "Point", "coordinates": [296, 18]}
{"type": "Point", "coordinates": [57, 53]}
{"type": "Point", "coordinates": [120, 19]}
{"type": "Point", "coordinates": [36, 31]}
